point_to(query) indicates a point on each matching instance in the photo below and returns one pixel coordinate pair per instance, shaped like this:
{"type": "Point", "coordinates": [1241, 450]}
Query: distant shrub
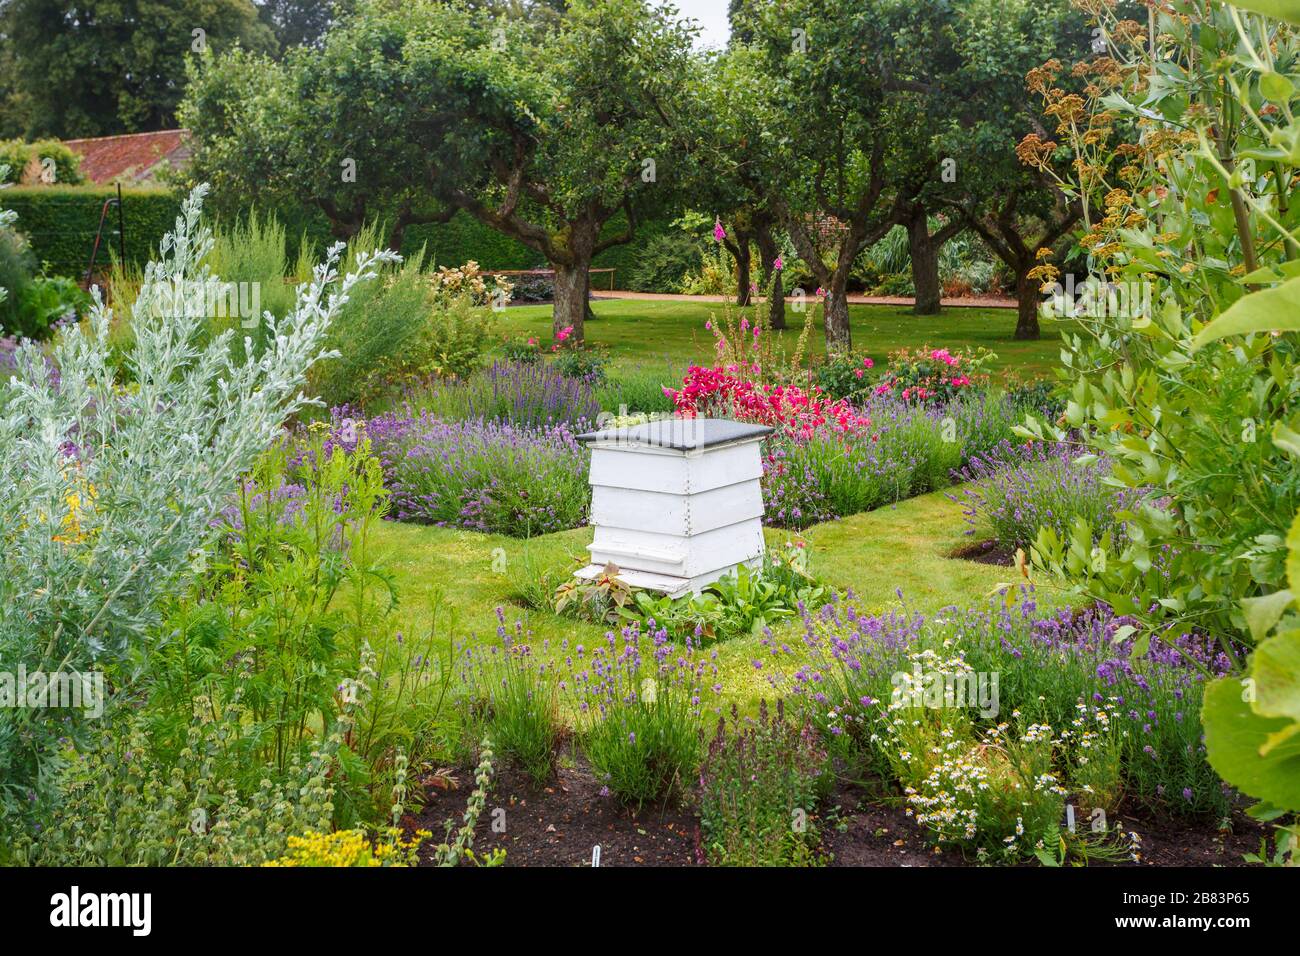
{"type": "Point", "coordinates": [895, 284]}
{"type": "Point", "coordinates": [845, 376]}
{"type": "Point", "coordinates": [587, 364]}
{"type": "Point", "coordinates": [716, 274]}
{"type": "Point", "coordinates": [927, 374]}
{"type": "Point", "coordinates": [56, 163]}
{"type": "Point", "coordinates": [533, 289]}
{"type": "Point", "coordinates": [665, 262]}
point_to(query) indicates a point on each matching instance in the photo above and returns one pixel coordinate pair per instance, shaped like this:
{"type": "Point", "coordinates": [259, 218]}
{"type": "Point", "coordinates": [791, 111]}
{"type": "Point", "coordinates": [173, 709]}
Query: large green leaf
{"type": "Point", "coordinates": [1257, 755]}
{"type": "Point", "coordinates": [1268, 310]}
{"type": "Point", "coordinates": [1288, 439]}
{"type": "Point", "coordinates": [1276, 669]}
{"type": "Point", "coordinates": [1263, 612]}
{"type": "Point", "coordinates": [1288, 10]}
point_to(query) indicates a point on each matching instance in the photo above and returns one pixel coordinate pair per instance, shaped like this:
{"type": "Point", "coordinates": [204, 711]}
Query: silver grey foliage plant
{"type": "Point", "coordinates": [108, 491]}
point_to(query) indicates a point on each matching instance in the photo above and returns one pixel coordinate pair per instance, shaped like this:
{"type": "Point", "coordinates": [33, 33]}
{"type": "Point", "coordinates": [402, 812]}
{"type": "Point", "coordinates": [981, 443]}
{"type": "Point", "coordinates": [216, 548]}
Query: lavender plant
{"type": "Point", "coordinates": [527, 394]}
{"type": "Point", "coordinates": [1014, 490]}
{"type": "Point", "coordinates": [1048, 664]}
{"type": "Point", "coordinates": [107, 492]}
{"type": "Point", "coordinates": [483, 476]}
{"type": "Point", "coordinates": [517, 698]}
{"type": "Point", "coordinates": [638, 719]}
{"type": "Point", "coordinates": [910, 448]}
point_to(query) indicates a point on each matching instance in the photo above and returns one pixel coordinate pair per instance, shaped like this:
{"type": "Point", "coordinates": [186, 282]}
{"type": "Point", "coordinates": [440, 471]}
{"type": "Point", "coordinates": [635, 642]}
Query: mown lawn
{"type": "Point", "coordinates": [468, 575]}
{"type": "Point", "coordinates": [671, 334]}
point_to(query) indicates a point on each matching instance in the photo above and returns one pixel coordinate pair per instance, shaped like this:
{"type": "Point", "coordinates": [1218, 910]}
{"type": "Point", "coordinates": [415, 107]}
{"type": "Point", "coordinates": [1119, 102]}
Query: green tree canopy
{"type": "Point", "coordinates": [99, 67]}
{"type": "Point", "coordinates": [411, 111]}
{"type": "Point", "coordinates": [1015, 208]}
{"type": "Point", "coordinates": [819, 102]}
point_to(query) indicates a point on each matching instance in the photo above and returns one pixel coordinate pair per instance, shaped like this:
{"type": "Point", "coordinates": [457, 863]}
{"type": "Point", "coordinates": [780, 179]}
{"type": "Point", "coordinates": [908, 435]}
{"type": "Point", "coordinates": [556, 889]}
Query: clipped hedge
{"type": "Point", "coordinates": [60, 223]}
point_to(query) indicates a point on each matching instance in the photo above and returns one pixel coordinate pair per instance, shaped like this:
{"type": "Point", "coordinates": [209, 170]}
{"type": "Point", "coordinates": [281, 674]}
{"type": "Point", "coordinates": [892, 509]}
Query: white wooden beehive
{"type": "Point", "coordinates": [676, 503]}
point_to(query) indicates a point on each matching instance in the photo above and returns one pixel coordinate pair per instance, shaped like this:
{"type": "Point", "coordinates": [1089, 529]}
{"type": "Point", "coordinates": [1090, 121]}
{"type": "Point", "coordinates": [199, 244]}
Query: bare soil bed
{"type": "Point", "coordinates": [561, 824]}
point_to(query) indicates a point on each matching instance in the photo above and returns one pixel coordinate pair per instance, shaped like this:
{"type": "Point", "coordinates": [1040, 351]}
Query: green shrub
{"type": "Point", "coordinates": [17, 266]}
{"type": "Point", "coordinates": [665, 261]}
{"type": "Point", "coordinates": [715, 276]}
{"type": "Point", "coordinates": [376, 331]}
{"type": "Point", "coordinates": [17, 155]}
{"type": "Point", "coordinates": [50, 301]}
{"type": "Point", "coordinates": [127, 804]}
{"type": "Point", "coordinates": [32, 305]}
{"type": "Point", "coordinates": [895, 284]}
{"type": "Point", "coordinates": [456, 336]}
{"type": "Point", "coordinates": [585, 364]}
{"type": "Point", "coordinates": [516, 696]}
{"type": "Point", "coordinates": [255, 249]}
{"type": "Point", "coordinates": [133, 517]}
{"type": "Point", "coordinates": [845, 375]}
{"type": "Point", "coordinates": [640, 717]}
{"type": "Point", "coordinates": [412, 324]}
{"type": "Point", "coordinates": [759, 786]}
{"type": "Point", "coordinates": [292, 540]}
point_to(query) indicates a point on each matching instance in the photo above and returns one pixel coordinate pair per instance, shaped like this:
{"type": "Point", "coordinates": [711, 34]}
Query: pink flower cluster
{"type": "Point", "coordinates": [798, 412]}
{"type": "Point", "coordinates": [946, 357]}
{"type": "Point", "coordinates": [928, 374]}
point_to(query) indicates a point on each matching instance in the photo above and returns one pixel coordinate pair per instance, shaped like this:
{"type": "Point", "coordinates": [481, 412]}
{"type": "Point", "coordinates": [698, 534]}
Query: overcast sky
{"type": "Point", "coordinates": [712, 18]}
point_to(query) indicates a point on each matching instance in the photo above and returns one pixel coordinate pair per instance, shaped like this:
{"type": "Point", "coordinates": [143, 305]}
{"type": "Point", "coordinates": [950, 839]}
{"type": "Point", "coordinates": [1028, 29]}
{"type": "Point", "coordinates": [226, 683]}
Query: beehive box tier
{"type": "Point", "coordinates": [671, 585]}
{"type": "Point", "coordinates": [676, 503]}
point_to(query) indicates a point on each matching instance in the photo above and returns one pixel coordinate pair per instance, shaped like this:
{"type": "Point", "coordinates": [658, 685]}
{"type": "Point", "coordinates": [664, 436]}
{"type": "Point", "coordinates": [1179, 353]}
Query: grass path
{"type": "Point", "coordinates": [902, 546]}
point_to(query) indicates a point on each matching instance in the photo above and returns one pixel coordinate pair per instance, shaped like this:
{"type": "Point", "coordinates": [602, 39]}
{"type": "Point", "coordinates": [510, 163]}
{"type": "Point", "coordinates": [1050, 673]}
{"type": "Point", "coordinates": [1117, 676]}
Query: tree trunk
{"type": "Point", "coordinates": [925, 264]}
{"type": "Point", "coordinates": [1028, 298]}
{"type": "Point", "coordinates": [587, 314]}
{"type": "Point", "coordinates": [571, 283]}
{"type": "Point", "coordinates": [742, 256]}
{"type": "Point", "coordinates": [776, 304]}
{"type": "Point", "coordinates": [767, 253]}
{"type": "Point", "coordinates": [838, 337]}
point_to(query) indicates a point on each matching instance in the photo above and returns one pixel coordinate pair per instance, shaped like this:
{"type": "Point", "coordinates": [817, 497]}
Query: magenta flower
{"type": "Point", "coordinates": [718, 232]}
